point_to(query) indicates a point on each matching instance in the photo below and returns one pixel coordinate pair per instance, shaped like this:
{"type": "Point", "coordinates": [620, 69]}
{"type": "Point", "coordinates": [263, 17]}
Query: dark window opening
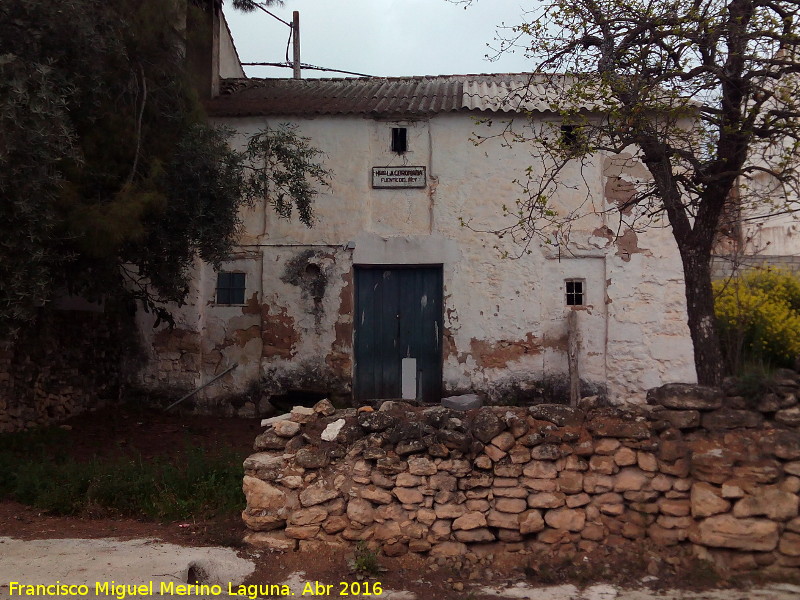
{"type": "Point", "coordinates": [230, 288]}
{"type": "Point", "coordinates": [399, 140]}
{"type": "Point", "coordinates": [575, 292]}
{"type": "Point", "coordinates": [569, 136]}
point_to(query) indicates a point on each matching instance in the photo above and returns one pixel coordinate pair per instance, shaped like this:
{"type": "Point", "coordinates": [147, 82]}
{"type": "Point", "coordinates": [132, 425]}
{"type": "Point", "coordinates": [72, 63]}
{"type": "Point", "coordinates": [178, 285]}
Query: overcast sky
{"type": "Point", "coordinates": [381, 37]}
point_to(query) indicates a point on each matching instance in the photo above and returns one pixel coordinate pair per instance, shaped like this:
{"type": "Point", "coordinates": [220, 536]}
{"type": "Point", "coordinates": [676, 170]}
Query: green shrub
{"type": "Point", "coordinates": [759, 318]}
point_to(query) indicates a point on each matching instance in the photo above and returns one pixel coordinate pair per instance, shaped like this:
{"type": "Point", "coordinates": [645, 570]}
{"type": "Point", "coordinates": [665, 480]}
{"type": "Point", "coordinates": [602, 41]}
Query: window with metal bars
{"type": "Point", "coordinates": [575, 292]}
{"type": "Point", "coordinates": [230, 287]}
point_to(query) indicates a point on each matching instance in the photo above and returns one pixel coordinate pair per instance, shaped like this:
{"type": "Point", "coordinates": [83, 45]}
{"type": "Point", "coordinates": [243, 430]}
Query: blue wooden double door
{"type": "Point", "coordinates": [398, 316]}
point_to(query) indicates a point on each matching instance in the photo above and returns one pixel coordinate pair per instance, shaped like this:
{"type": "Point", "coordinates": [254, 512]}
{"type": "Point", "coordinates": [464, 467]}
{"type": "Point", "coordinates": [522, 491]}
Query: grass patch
{"type": "Point", "coordinates": [195, 484]}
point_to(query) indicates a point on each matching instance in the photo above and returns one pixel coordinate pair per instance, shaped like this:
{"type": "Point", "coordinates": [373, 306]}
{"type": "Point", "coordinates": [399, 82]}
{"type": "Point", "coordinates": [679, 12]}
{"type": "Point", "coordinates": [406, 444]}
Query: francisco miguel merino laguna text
{"type": "Point", "coordinates": [122, 591]}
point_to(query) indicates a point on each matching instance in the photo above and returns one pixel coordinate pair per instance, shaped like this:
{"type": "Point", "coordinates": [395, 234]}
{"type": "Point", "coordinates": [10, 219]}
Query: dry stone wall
{"type": "Point", "coordinates": [66, 363]}
{"type": "Point", "coordinates": [691, 468]}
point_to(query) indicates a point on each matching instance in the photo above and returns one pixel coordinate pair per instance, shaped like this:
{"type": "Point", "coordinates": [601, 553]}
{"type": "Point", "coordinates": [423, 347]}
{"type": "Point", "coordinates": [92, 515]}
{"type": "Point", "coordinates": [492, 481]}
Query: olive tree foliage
{"type": "Point", "coordinates": [111, 181]}
{"type": "Point", "coordinates": [703, 93]}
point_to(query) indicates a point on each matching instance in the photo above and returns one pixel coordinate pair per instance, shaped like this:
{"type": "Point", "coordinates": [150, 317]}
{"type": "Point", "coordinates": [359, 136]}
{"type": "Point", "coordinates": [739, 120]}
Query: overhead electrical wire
{"type": "Point", "coordinates": [289, 25]}
{"type": "Point", "coordinates": [306, 66]}
{"type": "Point", "coordinates": [289, 63]}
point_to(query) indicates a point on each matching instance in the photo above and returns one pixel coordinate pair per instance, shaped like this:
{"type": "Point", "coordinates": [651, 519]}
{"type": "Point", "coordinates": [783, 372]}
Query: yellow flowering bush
{"type": "Point", "coordinates": [759, 317]}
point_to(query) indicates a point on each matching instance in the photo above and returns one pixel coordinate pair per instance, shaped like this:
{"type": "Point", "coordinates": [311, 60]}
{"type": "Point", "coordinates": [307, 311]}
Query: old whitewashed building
{"type": "Point", "coordinates": [400, 288]}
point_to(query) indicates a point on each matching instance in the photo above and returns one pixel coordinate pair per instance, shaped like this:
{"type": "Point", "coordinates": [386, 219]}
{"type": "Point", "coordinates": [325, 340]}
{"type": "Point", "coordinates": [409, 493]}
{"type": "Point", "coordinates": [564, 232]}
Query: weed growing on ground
{"type": "Point", "coordinates": [365, 561]}
{"type": "Point", "coordinates": [199, 484]}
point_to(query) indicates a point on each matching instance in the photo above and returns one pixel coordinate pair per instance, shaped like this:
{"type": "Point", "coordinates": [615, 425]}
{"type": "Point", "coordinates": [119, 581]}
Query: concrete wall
{"type": "Point", "coordinates": [504, 319]}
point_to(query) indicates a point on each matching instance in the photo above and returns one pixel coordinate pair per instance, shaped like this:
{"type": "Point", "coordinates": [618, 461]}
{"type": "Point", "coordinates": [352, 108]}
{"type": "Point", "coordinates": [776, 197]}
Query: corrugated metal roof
{"type": "Point", "coordinates": [505, 92]}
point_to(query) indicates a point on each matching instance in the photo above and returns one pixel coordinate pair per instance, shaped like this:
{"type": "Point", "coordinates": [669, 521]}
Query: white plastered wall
{"type": "Point", "coordinates": [504, 319]}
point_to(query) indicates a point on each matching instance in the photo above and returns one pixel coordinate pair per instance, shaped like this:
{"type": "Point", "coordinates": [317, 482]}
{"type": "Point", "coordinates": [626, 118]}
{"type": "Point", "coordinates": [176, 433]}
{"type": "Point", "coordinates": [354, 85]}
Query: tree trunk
{"type": "Point", "coordinates": [700, 312]}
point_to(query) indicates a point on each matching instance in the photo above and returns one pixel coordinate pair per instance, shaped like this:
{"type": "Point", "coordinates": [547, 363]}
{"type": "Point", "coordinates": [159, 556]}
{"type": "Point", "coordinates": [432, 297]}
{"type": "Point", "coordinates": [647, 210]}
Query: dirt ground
{"type": "Point", "coordinates": [147, 433]}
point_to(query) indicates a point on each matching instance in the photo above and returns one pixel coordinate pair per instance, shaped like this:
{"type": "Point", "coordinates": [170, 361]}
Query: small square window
{"type": "Point", "coordinates": [571, 137]}
{"type": "Point", "coordinates": [575, 292]}
{"type": "Point", "coordinates": [399, 140]}
{"type": "Point", "coordinates": [230, 288]}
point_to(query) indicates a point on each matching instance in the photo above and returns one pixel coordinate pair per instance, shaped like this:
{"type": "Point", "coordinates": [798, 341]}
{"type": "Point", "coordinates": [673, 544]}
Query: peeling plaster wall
{"type": "Point", "coordinates": [504, 319]}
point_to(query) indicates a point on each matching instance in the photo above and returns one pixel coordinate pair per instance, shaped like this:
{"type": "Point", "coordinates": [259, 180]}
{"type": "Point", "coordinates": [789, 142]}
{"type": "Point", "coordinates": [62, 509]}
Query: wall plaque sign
{"type": "Point", "coordinates": [398, 177]}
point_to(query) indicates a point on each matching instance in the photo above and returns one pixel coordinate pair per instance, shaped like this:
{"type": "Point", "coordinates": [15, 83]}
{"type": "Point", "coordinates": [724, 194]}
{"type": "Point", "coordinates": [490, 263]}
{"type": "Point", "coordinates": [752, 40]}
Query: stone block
{"type": "Point", "coordinates": [408, 495]}
{"type": "Point", "coordinates": [286, 428]}
{"type": "Point", "coordinates": [559, 414]}
{"type": "Point", "coordinates": [463, 403]}
{"type": "Point", "coordinates": [630, 479]}
{"type": "Point", "coordinates": [665, 537]}
{"type": "Point", "coordinates": [731, 418]}
{"type": "Point", "coordinates": [477, 504]}
{"type": "Point", "coordinates": [302, 414]}
{"type": "Point", "coordinates": [617, 427]}
{"type": "Point", "coordinates": [376, 495]}
{"type": "Point", "coordinates": [421, 466]}
{"type": "Point", "coordinates": [449, 550]}
{"type": "Point", "coordinates": [595, 483]}
{"type": "Point", "coordinates": [511, 505]}
{"type": "Point", "coordinates": [261, 520]}
{"type": "Point", "coordinates": [494, 453]}
{"type": "Point", "coordinates": [789, 544]}
{"type": "Point", "coordinates": [262, 496]}
{"type": "Point", "coordinates": [624, 457]}
{"type": "Point", "coordinates": [540, 470]}
{"type": "Point", "coordinates": [685, 396]}
{"type": "Point", "coordinates": [264, 466]}
{"type": "Point", "coordinates": [470, 520]}
{"type": "Point", "coordinates": [674, 508]}
{"type": "Point", "coordinates": [335, 524]}
{"type": "Point", "coordinates": [474, 535]}
{"type": "Point", "coordinates": [681, 419]}
{"type": "Point", "coordinates": [570, 482]}
{"type": "Point", "coordinates": [546, 452]}
{"type": "Point", "coordinates": [332, 430]}
{"type": "Point", "coordinates": [360, 511]}
{"type": "Point", "coordinates": [514, 470]}
{"type": "Point", "coordinates": [706, 500]}
{"type": "Point", "coordinates": [789, 416]}
{"type": "Point", "coordinates": [771, 502]}
{"type": "Point", "coordinates": [505, 441]}
{"type": "Point", "coordinates": [503, 520]}
{"type": "Point", "coordinates": [449, 511]}
{"type": "Point", "coordinates": [546, 500]}
{"type": "Point", "coordinates": [316, 494]}
{"type": "Point", "coordinates": [577, 500]}
{"type": "Point", "coordinates": [483, 462]}
{"type": "Point", "coordinates": [307, 516]}
{"type": "Point", "coordinates": [531, 522]}
{"type": "Point", "coordinates": [311, 457]}
{"type": "Point", "coordinates": [570, 519]}
{"type": "Point", "coordinates": [603, 464]}
{"type": "Point", "coordinates": [486, 425]}
{"type": "Point", "coordinates": [727, 531]}
{"type": "Point", "coordinates": [606, 446]}
{"type": "Point", "coordinates": [511, 492]}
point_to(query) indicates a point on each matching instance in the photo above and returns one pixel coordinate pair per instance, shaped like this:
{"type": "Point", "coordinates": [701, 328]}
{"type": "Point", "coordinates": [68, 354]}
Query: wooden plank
{"type": "Point", "coordinates": [572, 358]}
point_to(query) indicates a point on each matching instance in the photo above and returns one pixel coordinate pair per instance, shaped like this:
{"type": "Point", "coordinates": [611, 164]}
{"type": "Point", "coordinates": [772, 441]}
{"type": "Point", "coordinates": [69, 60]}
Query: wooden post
{"type": "Point", "coordinates": [572, 358]}
{"type": "Point", "coordinates": [296, 42]}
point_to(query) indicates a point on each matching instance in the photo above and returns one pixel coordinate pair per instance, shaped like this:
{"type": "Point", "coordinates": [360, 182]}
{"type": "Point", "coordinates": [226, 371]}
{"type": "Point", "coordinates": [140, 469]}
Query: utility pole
{"type": "Point", "coordinates": [296, 42]}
